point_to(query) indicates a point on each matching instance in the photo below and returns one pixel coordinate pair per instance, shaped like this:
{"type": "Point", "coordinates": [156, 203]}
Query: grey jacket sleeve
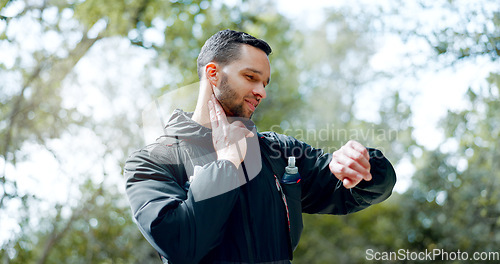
{"type": "Point", "coordinates": [180, 227]}
{"type": "Point", "coordinates": [323, 193]}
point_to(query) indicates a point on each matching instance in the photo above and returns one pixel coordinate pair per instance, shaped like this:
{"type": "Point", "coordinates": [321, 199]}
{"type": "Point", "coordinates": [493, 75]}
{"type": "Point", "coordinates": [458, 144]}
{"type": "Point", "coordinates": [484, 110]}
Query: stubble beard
{"type": "Point", "coordinates": [228, 98]}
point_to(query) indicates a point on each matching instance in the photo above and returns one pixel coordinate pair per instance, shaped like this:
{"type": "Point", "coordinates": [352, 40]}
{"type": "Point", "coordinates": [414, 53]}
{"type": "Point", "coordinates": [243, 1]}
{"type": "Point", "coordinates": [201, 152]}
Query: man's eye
{"type": "Point", "coordinates": [250, 77]}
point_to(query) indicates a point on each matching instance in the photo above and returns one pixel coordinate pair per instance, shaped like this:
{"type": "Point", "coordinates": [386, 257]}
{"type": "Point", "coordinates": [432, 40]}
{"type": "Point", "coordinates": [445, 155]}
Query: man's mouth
{"type": "Point", "coordinates": [252, 103]}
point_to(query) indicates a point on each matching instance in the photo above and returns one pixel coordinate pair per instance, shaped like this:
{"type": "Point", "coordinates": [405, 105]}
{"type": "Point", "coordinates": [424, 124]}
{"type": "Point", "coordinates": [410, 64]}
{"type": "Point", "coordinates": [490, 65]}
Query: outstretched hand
{"type": "Point", "coordinates": [229, 139]}
{"type": "Point", "coordinates": [350, 164]}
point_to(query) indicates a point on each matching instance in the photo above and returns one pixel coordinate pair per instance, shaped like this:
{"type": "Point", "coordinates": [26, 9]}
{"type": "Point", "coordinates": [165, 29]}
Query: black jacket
{"type": "Point", "coordinates": [230, 215]}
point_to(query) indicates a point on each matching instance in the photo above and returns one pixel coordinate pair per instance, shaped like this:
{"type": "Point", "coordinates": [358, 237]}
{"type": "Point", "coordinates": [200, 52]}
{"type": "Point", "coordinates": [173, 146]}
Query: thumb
{"type": "Point", "coordinates": [249, 134]}
{"type": "Point", "coordinates": [245, 130]}
{"type": "Point", "coordinates": [348, 183]}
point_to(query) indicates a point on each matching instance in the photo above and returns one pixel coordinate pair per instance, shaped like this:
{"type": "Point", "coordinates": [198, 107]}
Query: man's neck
{"type": "Point", "coordinates": [201, 114]}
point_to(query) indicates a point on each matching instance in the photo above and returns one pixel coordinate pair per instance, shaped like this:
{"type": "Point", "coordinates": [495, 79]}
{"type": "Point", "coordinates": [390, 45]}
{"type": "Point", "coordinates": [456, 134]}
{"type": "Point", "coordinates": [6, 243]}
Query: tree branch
{"type": "Point", "coordinates": [56, 235]}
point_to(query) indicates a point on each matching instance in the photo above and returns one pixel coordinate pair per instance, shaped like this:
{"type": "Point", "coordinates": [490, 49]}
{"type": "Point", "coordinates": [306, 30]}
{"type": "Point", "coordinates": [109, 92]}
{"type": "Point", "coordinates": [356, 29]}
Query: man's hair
{"type": "Point", "coordinates": [224, 47]}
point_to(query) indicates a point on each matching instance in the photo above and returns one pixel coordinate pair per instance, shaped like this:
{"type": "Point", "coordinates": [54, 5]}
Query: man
{"type": "Point", "coordinates": [213, 190]}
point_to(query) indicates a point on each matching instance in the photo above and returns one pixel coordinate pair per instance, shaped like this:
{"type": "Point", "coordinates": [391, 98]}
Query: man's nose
{"type": "Point", "coordinates": [260, 91]}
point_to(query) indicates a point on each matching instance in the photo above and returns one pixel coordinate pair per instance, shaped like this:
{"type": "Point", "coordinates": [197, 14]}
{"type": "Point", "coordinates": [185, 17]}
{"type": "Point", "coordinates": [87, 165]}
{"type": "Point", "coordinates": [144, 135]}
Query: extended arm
{"type": "Point", "coordinates": [323, 192]}
{"type": "Point", "coordinates": [351, 189]}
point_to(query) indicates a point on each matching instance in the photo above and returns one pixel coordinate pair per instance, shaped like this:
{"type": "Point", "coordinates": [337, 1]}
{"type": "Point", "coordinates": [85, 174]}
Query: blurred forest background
{"type": "Point", "coordinates": [75, 76]}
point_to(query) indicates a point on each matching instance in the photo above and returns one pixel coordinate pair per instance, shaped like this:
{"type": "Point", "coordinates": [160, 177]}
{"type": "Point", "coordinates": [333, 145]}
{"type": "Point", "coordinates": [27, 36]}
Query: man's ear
{"type": "Point", "coordinates": [212, 73]}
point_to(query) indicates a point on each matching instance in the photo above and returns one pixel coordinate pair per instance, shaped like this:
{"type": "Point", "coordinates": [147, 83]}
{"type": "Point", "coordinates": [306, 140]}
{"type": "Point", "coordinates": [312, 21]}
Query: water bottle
{"type": "Point", "coordinates": [291, 172]}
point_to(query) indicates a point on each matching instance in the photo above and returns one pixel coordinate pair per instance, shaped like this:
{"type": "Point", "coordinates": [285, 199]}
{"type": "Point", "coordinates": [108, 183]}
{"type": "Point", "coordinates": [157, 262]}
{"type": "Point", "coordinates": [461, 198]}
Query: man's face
{"type": "Point", "coordinates": [242, 83]}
